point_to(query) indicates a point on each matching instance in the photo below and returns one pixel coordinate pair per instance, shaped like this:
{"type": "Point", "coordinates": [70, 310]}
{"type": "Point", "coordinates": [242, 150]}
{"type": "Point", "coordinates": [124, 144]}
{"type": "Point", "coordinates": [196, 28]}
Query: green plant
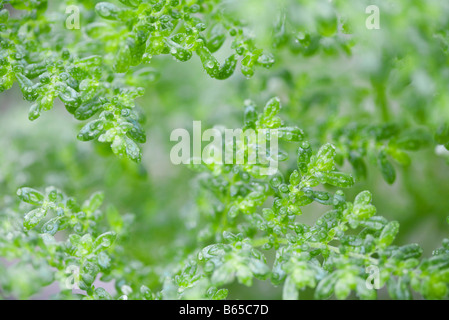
{"type": "Point", "coordinates": [358, 104]}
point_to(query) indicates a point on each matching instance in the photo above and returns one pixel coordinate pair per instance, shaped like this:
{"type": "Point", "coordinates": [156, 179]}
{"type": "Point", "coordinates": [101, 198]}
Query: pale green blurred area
{"type": "Point", "coordinates": [407, 56]}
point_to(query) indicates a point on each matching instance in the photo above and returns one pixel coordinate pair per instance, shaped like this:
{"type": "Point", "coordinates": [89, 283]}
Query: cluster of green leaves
{"type": "Point", "coordinates": [100, 69]}
{"type": "Point", "coordinates": [378, 143]}
{"type": "Point", "coordinates": [234, 230]}
{"type": "Point", "coordinates": [315, 31]}
{"type": "Point", "coordinates": [67, 243]}
{"type": "Point", "coordinates": [330, 256]}
{"type": "Point", "coordinates": [78, 259]}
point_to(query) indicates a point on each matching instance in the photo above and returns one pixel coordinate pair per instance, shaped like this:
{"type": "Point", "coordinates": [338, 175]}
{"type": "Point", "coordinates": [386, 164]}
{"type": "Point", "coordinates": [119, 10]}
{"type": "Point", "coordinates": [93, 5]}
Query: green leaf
{"type": "Point", "coordinates": [124, 146]}
{"type": "Point", "coordinates": [91, 131]}
{"type": "Point", "coordinates": [399, 289]}
{"type": "Point", "coordinates": [386, 168]}
{"type": "Point", "coordinates": [289, 291]}
{"type": "Point", "coordinates": [30, 196]}
{"type": "Point", "coordinates": [388, 234]}
{"type": "Point", "coordinates": [104, 240]}
{"type": "Point", "coordinates": [304, 155]}
{"type": "Point", "coordinates": [94, 202]}
{"type": "Point", "coordinates": [102, 294]}
{"type": "Point", "coordinates": [364, 211]}
{"type": "Point", "coordinates": [359, 166]}
{"type": "Point", "coordinates": [363, 198]}
{"type": "Point", "coordinates": [413, 140]}
{"type": "Point", "coordinates": [325, 287]}
{"type": "Point", "coordinates": [33, 218]}
{"type": "Point", "coordinates": [107, 10]}
{"type": "Point", "coordinates": [325, 158]}
{"type": "Point", "coordinates": [338, 179]}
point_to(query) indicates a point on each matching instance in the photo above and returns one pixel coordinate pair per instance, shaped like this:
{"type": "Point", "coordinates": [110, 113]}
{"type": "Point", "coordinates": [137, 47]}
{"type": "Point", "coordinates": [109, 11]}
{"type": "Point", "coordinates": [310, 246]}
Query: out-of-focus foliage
{"type": "Point", "coordinates": [372, 105]}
